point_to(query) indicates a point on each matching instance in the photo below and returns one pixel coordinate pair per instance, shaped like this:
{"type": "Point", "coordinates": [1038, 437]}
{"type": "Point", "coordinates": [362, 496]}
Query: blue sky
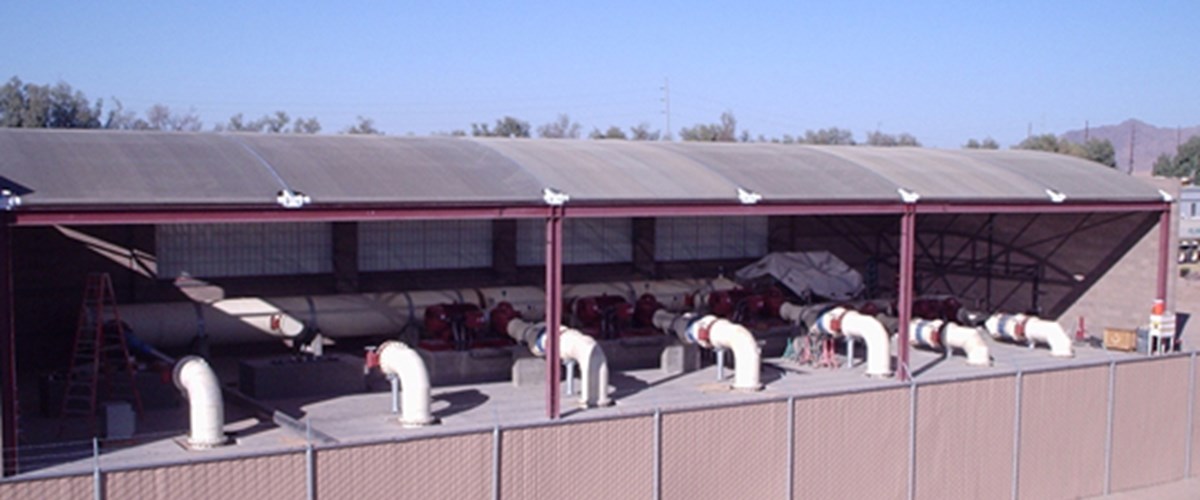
{"type": "Point", "coordinates": [943, 71]}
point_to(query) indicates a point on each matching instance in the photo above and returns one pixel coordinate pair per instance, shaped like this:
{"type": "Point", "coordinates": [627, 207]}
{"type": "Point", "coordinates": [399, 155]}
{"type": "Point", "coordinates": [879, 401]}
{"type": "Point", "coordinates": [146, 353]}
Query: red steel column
{"type": "Point", "coordinates": [8, 355]}
{"type": "Point", "coordinates": [904, 300]}
{"type": "Point", "coordinates": [1165, 252]}
{"type": "Point", "coordinates": [553, 309]}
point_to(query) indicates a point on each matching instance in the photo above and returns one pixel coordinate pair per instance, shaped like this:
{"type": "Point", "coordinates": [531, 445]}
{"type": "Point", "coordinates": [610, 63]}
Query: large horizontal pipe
{"type": "Point", "coordinates": [253, 319]}
{"type": "Point", "coordinates": [712, 332]}
{"type": "Point", "coordinates": [1032, 329]}
{"type": "Point", "coordinates": [939, 334]}
{"type": "Point", "coordinates": [841, 321]}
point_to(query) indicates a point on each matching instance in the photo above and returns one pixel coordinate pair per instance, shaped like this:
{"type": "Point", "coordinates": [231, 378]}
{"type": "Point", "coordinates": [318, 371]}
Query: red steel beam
{"type": "Point", "coordinates": [1164, 251]}
{"type": "Point", "coordinates": [8, 356]}
{"type": "Point", "coordinates": [908, 226]}
{"type": "Point", "coordinates": [698, 210]}
{"type": "Point", "coordinates": [200, 215]}
{"type": "Point", "coordinates": [1047, 208]}
{"type": "Point", "coordinates": [554, 241]}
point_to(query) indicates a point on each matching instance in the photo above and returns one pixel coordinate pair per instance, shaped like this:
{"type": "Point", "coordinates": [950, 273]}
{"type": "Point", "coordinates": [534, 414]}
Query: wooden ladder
{"type": "Point", "coordinates": [101, 368]}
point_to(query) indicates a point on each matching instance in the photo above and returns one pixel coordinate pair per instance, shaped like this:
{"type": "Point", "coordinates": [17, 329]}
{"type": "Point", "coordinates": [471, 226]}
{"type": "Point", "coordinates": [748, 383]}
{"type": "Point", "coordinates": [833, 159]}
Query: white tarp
{"type": "Point", "coordinates": [820, 273]}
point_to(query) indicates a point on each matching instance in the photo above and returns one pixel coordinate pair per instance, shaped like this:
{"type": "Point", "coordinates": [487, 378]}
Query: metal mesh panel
{"type": "Point", "coordinates": [852, 432]}
{"type": "Point", "coordinates": [1149, 423]}
{"type": "Point", "coordinates": [449, 467]}
{"type": "Point", "coordinates": [64, 487]}
{"type": "Point", "coordinates": [602, 460]}
{"type": "Point", "coordinates": [1196, 423]}
{"type": "Point", "coordinates": [279, 476]}
{"type": "Point", "coordinates": [1063, 425]}
{"type": "Point", "coordinates": [404, 245]}
{"type": "Point", "coordinates": [737, 452]}
{"type": "Point", "coordinates": [699, 238]}
{"type": "Point", "coordinates": [965, 439]}
{"type": "Point", "coordinates": [585, 241]}
{"type": "Point", "coordinates": [215, 250]}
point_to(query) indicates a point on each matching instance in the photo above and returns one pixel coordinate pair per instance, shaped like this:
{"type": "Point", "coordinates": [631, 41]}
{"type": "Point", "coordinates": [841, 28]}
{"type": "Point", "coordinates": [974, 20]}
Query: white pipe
{"type": "Point", "coordinates": [1010, 326]}
{"type": "Point", "coordinates": [206, 410]}
{"type": "Point", "coordinates": [937, 333]}
{"type": "Point", "coordinates": [573, 345]}
{"type": "Point", "coordinates": [252, 319]}
{"type": "Point", "coordinates": [715, 333]}
{"type": "Point", "coordinates": [592, 364]}
{"type": "Point", "coordinates": [853, 325]}
{"type": "Point", "coordinates": [1051, 333]}
{"type": "Point", "coordinates": [970, 341]}
{"type": "Point", "coordinates": [396, 358]}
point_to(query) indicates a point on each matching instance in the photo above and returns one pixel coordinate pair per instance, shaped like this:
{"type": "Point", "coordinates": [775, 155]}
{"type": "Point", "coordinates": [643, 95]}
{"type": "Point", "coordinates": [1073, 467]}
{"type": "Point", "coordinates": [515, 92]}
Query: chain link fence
{"type": "Point", "coordinates": [1051, 432]}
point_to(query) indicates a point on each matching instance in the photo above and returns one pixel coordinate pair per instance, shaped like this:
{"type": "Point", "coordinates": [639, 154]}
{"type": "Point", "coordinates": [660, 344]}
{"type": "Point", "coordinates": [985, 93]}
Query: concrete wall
{"type": "Point", "coordinates": [1047, 434]}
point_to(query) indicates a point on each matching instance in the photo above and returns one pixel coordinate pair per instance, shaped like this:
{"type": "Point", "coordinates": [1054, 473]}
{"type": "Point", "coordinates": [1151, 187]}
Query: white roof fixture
{"type": "Point", "coordinates": [292, 199]}
{"type": "Point", "coordinates": [1056, 196]}
{"type": "Point", "coordinates": [1167, 198]}
{"type": "Point", "coordinates": [748, 197]}
{"type": "Point", "coordinates": [8, 200]}
{"type": "Point", "coordinates": [908, 196]}
{"type": "Point", "coordinates": [554, 197]}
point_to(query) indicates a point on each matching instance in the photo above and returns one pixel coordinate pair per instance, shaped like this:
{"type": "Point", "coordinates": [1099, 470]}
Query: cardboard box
{"type": "Point", "coordinates": [1117, 339]}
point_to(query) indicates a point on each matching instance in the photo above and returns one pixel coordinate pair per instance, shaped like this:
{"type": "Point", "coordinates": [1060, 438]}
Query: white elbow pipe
{"type": "Point", "coordinates": [970, 341]}
{"type": "Point", "coordinates": [206, 410]}
{"type": "Point", "coordinates": [592, 365]}
{"type": "Point", "coordinates": [396, 358]}
{"type": "Point", "coordinates": [1051, 333]}
{"type": "Point", "coordinates": [573, 345]}
{"type": "Point", "coordinates": [747, 360]}
{"type": "Point", "coordinates": [873, 334]}
{"type": "Point", "coordinates": [716, 333]}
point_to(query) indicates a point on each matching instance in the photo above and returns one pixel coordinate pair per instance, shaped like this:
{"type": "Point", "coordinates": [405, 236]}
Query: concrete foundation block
{"type": "Point", "coordinates": [680, 358]}
{"type": "Point", "coordinates": [528, 370]}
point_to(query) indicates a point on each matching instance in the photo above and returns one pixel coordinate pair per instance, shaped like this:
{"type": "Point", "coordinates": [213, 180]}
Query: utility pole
{"type": "Point", "coordinates": [1086, 130]}
{"type": "Point", "coordinates": [666, 99]}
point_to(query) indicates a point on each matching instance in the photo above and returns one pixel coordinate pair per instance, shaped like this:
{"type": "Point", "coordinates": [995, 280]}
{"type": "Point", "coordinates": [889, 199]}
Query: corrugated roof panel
{"type": "Point", "coordinates": [790, 173]}
{"type": "Point", "coordinates": [72, 167]}
{"type": "Point", "coordinates": [943, 175]}
{"type": "Point", "coordinates": [380, 169]}
{"type": "Point", "coordinates": [598, 171]}
{"type": "Point", "coordinates": [108, 168]}
{"type": "Point", "coordinates": [1079, 179]}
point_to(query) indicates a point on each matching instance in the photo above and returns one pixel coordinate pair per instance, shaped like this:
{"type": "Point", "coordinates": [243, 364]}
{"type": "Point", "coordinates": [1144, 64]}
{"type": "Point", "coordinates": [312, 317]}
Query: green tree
{"type": "Point", "coordinates": [1185, 164]}
{"type": "Point", "coordinates": [365, 126]}
{"type": "Point", "coordinates": [986, 143]}
{"type": "Point", "coordinates": [888, 140]}
{"type": "Point", "coordinates": [829, 136]}
{"type": "Point", "coordinates": [642, 132]}
{"type": "Point", "coordinates": [160, 117]}
{"type": "Point", "coordinates": [1100, 151]}
{"type": "Point", "coordinates": [562, 128]}
{"type": "Point", "coordinates": [613, 132]}
{"type": "Point", "coordinates": [1097, 150]}
{"type": "Point", "coordinates": [505, 127]}
{"type": "Point", "coordinates": [725, 131]}
{"type": "Point", "coordinates": [275, 123]}
{"type": "Point", "coordinates": [28, 105]}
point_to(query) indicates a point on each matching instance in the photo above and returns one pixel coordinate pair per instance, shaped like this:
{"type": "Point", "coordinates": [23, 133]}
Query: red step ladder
{"type": "Point", "coordinates": [101, 368]}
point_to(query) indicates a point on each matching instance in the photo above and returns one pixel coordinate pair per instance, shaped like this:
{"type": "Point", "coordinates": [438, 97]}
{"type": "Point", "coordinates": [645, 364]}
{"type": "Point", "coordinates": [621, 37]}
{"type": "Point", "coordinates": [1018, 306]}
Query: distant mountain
{"type": "Point", "coordinates": [1148, 142]}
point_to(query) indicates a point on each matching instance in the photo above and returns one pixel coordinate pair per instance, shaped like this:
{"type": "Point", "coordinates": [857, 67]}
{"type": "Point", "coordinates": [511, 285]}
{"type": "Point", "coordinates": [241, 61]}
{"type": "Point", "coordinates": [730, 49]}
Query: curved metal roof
{"type": "Point", "coordinates": [66, 168]}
